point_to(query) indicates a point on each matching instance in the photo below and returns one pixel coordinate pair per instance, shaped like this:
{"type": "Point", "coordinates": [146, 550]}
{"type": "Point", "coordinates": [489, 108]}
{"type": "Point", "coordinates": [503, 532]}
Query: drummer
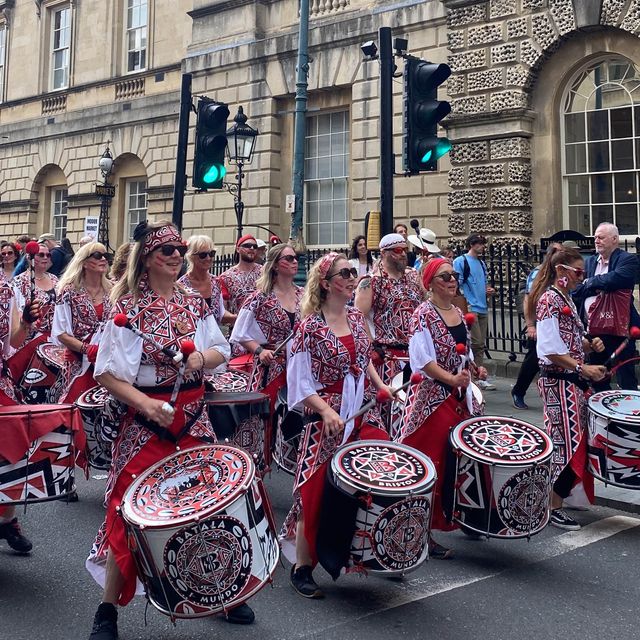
{"type": "Point", "coordinates": [267, 319]}
{"type": "Point", "coordinates": [443, 398]}
{"type": "Point", "coordinates": [138, 374]}
{"type": "Point", "coordinates": [81, 307]}
{"type": "Point", "coordinates": [327, 373]}
{"type": "Point", "coordinates": [564, 377]}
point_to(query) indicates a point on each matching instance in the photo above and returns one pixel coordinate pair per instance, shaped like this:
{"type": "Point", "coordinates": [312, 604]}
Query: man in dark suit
{"type": "Point", "coordinates": [610, 269]}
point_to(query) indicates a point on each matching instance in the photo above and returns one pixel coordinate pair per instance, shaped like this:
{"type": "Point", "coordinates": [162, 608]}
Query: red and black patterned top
{"type": "Point", "coordinates": [215, 302]}
{"type": "Point", "coordinates": [22, 288]}
{"type": "Point", "coordinates": [239, 285]}
{"type": "Point", "coordinates": [81, 318]}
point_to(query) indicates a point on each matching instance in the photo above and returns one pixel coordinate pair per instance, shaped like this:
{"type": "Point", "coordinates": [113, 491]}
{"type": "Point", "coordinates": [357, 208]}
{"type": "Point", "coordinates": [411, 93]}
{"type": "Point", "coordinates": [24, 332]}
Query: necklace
{"type": "Point", "coordinates": [442, 308]}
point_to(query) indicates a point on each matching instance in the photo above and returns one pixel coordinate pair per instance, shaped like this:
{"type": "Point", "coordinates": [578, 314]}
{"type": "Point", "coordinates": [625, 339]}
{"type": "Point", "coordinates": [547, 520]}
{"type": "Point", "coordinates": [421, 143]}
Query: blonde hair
{"type": "Point", "coordinates": [74, 273]}
{"type": "Point", "coordinates": [268, 276]}
{"type": "Point", "coordinates": [195, 244]}
{"type": "Point", "coordinates": [314, 295]}
{"type": "Point", "coordinates": [119, 265]}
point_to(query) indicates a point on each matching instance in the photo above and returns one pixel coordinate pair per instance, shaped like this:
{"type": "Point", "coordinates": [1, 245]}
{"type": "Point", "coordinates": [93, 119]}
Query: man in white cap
{"type": "Point", "coordinates": [388, 299]}
{"type": "Point", "coordinates": [425, 244]}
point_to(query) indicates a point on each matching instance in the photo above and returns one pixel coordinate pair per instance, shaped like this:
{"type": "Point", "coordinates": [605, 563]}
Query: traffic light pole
{"type": "Point", "coordinates": [181, 154]}
{"type": "Point", "coordinates": [387, 162]}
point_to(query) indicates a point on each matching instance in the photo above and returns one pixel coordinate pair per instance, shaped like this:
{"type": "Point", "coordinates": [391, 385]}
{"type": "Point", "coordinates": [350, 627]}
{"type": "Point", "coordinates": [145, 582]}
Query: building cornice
{"type": "Point", "coordinates": [223, 5]}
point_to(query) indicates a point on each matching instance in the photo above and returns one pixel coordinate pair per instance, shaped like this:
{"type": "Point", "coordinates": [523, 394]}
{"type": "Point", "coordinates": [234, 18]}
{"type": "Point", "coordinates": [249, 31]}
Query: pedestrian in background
{"type": "Point", "coordinates": [360, 257]}
{"type": "Point", "coordinates": [9, 253]}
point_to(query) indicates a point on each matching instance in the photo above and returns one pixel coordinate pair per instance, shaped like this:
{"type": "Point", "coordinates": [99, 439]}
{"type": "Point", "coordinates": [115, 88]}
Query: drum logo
{"type": "Point", "coordinates": [381, 467]}
{"type": "Point", "coordinates": [622, 404]}
{"type": "Point", "coordinates": [524, 498]}
{"type": "Point", "coordinates": [209, 563]}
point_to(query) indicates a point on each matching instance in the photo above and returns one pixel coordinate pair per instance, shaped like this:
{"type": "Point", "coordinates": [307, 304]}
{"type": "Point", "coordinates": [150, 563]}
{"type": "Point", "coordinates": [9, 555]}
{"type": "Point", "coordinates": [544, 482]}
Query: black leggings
{"type": "Point", "coordinates": [565, 481]}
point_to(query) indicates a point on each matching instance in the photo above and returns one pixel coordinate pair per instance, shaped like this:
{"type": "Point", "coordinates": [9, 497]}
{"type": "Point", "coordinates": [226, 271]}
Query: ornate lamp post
{"type": "Point", "coordinates": [241, 142]}
{"type": "Point", "coordinates": [105, 191]}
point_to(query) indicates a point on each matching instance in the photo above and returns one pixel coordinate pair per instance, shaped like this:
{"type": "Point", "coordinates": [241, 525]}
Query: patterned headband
{"type": "Point", "coordinates": [326, 262]}
{"type": "Point", "coordinates": [160, 236]}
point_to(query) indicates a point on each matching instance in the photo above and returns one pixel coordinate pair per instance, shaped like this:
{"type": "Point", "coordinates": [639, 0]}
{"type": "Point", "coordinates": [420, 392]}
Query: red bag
{"type": "Point", "coordinates": [610, 313]}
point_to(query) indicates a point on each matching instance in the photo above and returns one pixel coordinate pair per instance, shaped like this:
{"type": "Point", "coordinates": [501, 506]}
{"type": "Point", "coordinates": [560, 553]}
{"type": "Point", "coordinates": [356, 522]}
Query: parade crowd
{"type": "Point", "coordinates": [361, 329]}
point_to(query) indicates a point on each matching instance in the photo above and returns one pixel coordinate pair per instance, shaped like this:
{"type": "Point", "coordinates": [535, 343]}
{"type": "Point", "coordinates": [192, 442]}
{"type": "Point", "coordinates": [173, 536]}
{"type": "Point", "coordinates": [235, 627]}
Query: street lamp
{"type": "Point", "coordinates": [241, 141]}
{"type": "Point", "coordinates": [105, 192]}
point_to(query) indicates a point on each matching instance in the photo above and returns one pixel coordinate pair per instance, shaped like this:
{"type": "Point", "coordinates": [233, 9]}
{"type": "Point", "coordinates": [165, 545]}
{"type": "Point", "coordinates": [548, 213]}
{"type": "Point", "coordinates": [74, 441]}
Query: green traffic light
{"type": "Point", "coordinates": [214, 173]}
{"type": "Point", "coordinates": [443, 147]}
{"type": "Point", "coordinates": [426, 157]}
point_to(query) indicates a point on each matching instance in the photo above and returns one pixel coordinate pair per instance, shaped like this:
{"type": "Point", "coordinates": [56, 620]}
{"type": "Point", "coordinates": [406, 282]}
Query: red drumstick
{"type": "Point", "coordinates": [121, 320]}
{"type": "Point", "coordinates": [634, 334]}
{"type": "Point", "coordinates": [187, 347]}
{"type": "Point", "coordinates": [284, 342]}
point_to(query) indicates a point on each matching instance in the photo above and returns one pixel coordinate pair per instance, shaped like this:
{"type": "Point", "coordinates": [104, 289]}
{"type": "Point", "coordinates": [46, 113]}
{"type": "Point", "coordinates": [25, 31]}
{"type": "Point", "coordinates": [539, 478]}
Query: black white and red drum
{"type": "Point", "coordinates": [240, 418]}
{"type": "Point", "coordinates": [289, 428]}
{"type": "Point", "coordinates": [200, 527]}
{"type": "Point", "coordinates": [91, 404]}
{"type": "Point", "coordinates": [397, 405]}
{"type": "Point", "coordinates": [389, 486]}
{"type": "Point", "coordinates": [502, 476]}
{"type": "Point", "coordinates": [614, 437]}
{"type": "Point", "coordinates": [37, 452]}
{"type": "Point", "coordinates": [231, 380]}
{"type": "Point", "coordinates": [46, 365]}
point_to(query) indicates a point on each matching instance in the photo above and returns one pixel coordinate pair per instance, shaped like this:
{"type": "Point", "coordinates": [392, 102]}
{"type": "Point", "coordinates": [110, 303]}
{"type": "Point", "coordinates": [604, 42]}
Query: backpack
{"type": "Point", "coordinates": [466, 269]}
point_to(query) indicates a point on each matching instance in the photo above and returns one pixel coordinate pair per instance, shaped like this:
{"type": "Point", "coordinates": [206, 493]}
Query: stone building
{"type": "Point", "coordinates": [545, 120]}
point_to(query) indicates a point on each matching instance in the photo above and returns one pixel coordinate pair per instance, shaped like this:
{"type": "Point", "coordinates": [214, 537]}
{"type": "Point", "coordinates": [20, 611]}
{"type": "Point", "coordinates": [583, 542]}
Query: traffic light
{"type": "Point", "coordinates": [211, 144]}
{"type": "Point", "coordinates": [421, 147]}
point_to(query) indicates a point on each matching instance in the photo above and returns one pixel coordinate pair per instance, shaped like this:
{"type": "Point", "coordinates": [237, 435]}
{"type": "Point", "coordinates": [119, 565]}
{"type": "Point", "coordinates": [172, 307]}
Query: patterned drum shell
{"type": "Point", "coordinates": [231, 380]}
{"type": "Point", "coordinates": [285, 449]}
{"type": "Point", "coordinates": [41, 374]}
{"type": "Point", "coordinates": [200, 527]}
{"type": "Point", "coordinates": [91, 404]}
{"type": "Point", "coordinates": [614, 437]}
{"type": "Point", "coordinates": [46, 471]}
{"type": "Point", "coordinates": [502, 476]}
{"type": "Point", "coordinates": [392, 484]}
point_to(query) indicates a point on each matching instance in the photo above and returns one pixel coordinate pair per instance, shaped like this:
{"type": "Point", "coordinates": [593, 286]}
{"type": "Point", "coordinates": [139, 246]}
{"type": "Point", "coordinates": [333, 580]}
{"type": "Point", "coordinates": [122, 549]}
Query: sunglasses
{"type": "Point", "coordinates": [397, 250]}
{"type": "Point", "coordinates": [7, 253]}
{"type": "Point", "coordinates": [345, 273]}
{"type": "Point", "coordinates": [448, 275]}
{"type": "Point", "coordinates": [203, 255]}
{"type": "Point", "coordinates": [579, 272]}
{"type": "Point", "coordinates": [248, 246]}
{"type": "Point", "coordinates": [169, 249]}
{"type": "Point", "coordinates": [289, 258]}
{"type": "Point", "coordinates": [98, 255]}
{"type": "Point", "coordinates": [43, 255]}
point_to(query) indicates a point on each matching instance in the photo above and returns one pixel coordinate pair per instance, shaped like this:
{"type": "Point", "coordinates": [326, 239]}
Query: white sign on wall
{"type": "Point", "coordinates": [91, 226]}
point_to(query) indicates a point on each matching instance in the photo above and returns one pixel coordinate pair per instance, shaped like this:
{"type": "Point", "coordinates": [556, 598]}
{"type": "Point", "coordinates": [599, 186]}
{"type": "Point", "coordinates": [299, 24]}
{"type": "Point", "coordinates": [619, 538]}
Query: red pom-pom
{"type": "Point", "coordinates": [32, 248]}
{"type": "Point", "coordinates": [470, 319]}
{"type": "Point", "coordinates": [382, 396]}
{"type": "Point", "coordinates": [18, 246]}
{"type": "Point", "coordinates": [416, 377]}
{"type": "Point", "coordinates": [120, 320]}
{"type": "Point", "coordinates": [187, 347]}
{"type": "Point", "coordinates": [634, 333]}
{"type": "Point", "coordinates": [566, 310]}
{"type": "Point", "coordinates": [461, 348]}
{"type": "Point", "coordinates": [224, 290]}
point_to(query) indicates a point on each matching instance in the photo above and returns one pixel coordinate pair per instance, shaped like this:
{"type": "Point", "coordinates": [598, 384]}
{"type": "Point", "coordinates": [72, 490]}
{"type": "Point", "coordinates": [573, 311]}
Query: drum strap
{"type": "Point", "coordinates": [165, 434]}
{"type": "Point", "coordinates": [568, 376]}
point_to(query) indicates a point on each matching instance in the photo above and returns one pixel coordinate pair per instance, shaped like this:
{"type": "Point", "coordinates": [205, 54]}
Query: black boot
{"type": "Point", "coordinates": [12, 533]}
{"type": "Point", "coordinates": [105, 623]}
{"type": "Point", "coordinates": [242, 614]}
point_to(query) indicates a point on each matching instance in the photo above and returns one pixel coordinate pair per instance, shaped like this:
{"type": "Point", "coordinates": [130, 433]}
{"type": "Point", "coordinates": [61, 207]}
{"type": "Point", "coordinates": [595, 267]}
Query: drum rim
{"type": "Point", "coordinates": [595, 406]}
{"type": "Point", "coordinates": [24, 409]}
{"type": "Point", "coordinates": [425, 486]}
{"type": "Point", "coordinates": [256, 397]}
{"type": "Point", "coordinates": [458, 445]}
{"type": "Point", "coordinates": [133, 518]}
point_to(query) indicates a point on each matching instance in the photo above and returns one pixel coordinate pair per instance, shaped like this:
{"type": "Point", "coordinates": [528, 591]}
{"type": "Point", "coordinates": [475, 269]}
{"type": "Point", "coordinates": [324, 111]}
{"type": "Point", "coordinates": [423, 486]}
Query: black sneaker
{"type": "Point", "coordinates": [559, 518]}
{"type": "Point", "coordinates": [439, 552]}
{"type": "Point", "coordinates": [105, 623]}
{"type": "Point", "coordinates": [518, 402]}
{"type": "Point", "coordinates": [242, 614]}
{"type": "Point", "coordinates": [12, 533]}
{"type": "Point", "coordinates": [302, 581]}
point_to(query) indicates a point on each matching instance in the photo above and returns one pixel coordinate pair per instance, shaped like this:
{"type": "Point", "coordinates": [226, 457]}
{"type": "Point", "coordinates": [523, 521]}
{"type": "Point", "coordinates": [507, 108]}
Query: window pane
{"type": "Point", "coordinates": [324, 124]}
{"type": "Point", "coordinates": [622, 155]}
{"type": "Point", "coordinates": [576, 158]}
{"type": "Point", "coordinates": [324, 231]}
{"type": "Point", "coordinates": [599, 156]}
{"type": "Point", "coordinates": [579, 220]}
{"type": "Point", "coordinates": [602, 213]}
{"type": "Point", "coordinates": [597, 125]}
{"type": "Point", "coordinates": [574, 127]}
{"type": "Point", "coordinates": [578, 190]}
{"type": "Point", "coordinates": [626, 187]}
{"type": "Point", "coordinates": [621, 126]}
{"type": "Point", "coordinates": [601, 189]}
{"type": "Point", "coordinates": [627, 219]}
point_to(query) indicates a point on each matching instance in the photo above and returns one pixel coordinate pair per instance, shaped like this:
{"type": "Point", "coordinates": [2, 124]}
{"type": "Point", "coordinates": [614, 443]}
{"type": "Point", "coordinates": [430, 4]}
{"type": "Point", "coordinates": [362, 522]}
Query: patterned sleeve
{"type": "Point", "coordinates": [549, 340]}
{"type": "Point", "coordinates": [209, 336]}
{"type": "Point", "coordinates": [246, 327]}
{"type": "Point", "coordinates": [62, 318]}
{"type": "Point", "coordinates": [300, 381]}
{"type": "Point", "coordinates": [18, 295]}
{"type": "Point", "coordinates": [421, 348]}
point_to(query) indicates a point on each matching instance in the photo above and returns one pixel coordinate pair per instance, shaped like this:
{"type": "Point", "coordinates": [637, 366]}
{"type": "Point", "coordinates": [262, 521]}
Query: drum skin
{"type": "Point", "coordinates": [200, 527]}
{"type": "Point", "coordinates": [502, 476]}
{"type": "Point", "coordinates": [91, 405]}
{"type": "Point", "coordinates": [389, 486]}
{"type": "Point", "coordinates": [613, 444]}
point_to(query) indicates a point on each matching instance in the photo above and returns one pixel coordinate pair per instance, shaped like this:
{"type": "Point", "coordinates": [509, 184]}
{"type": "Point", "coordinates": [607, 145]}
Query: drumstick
{"type": "Point", "coordinates": [187, 347]}
{"type": "Point", "coordinates": [121, 320]}
{"type": "Point", "coordinates": [31, 249]}
{"type": "Point", "coordinates": [284, 342]}
{"type": "Point", "coordinates": [634, 334]}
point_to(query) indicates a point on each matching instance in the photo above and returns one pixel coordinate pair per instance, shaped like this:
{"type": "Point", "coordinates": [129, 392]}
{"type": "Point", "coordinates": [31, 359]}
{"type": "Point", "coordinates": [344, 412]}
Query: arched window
{"type": "Point", "coordinates": [601, 141]}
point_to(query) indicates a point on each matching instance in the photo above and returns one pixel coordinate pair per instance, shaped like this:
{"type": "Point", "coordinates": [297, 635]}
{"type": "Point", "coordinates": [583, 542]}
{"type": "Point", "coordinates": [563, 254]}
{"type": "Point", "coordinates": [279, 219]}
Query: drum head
{"type": "Point", "coordinates": [618, 405]}
{"type": "Point", "coordinates": [51, 354]}
{"type": "Point", "coordinates": [91, 398]}
{"type": "Point", "coordinates": [198, 481]}
{"type": "Point", "coordinates": [232, 397]}
{"type": "Point", "coordinates": [396, 383]}
{"type": "Point", "coordinates": [502, 441]}
{"type": "Point", "coordinates": [229, 380]}
{"type": "Point", "coordinates": [477, 394]}
{"type": "Point", "coordinates": [385, 468]}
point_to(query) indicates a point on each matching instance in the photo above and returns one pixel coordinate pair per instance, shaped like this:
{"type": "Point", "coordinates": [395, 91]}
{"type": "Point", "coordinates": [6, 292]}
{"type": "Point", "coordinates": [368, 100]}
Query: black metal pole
{"type": "Point", "coordinates": [181, 154]}
{"type": "Point", "coordinates": [239, 205]}
{"type": "Point", "coordinates": [387, 162]}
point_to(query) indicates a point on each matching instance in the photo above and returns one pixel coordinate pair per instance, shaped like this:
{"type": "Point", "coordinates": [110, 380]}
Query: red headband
{"type": "Point", "coordinates": [326, 262]}
{"type": "Point", "coordinates": [160, 236]}
{"type": "Point", "coordinates": [430, 269]}
{"type": "Point", "coordinates": [245, 237]}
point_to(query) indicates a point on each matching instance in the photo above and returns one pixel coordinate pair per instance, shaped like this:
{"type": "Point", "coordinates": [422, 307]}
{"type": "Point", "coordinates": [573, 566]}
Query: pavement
{"type": "Point", "coordinates": [499, 403]}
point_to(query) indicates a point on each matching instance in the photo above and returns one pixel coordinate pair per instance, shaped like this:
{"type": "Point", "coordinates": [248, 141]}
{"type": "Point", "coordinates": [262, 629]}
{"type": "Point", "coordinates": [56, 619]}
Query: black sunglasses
{"type": "Point", "coordinates": [447, 275]}
{"type": "Point", "coordinates": [98, 255]}
{"type": "Point", "coordinates": [169, 249]}
{"type": "Point", "coordinates": [289, 258]}
{"type": "Point", "coordinates": [206, 254]}
{"type": "Point", "coordinates": [248, 246]}
{"type": "Point", "coordinates": [43, 255]}
{"type": "Point", "coordinates": [345, 273]}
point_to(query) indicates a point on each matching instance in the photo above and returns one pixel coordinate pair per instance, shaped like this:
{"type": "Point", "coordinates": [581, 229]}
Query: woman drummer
{"type": "Point", "coordinates": [136, 372]}
{"type": "Point", "coordinates": [327, 373]}
{"type": "Point", "coordinates": [439, 346]}
{"type": "Point", "coordinates": [82, 306]}
{"type": "Point", "coordinates": [39, 330]}
{"type": "Point", "coordinates": [266, 321]}
{"type": "Point", "coordinates": [564, 377]}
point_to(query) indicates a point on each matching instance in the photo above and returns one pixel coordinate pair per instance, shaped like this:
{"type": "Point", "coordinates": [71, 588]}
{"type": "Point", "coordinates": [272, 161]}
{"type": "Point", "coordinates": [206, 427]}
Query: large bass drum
{"type": "Point", "coordinates": [502, 476]}
{"type": "Point", "coordinates": [200, 527]}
